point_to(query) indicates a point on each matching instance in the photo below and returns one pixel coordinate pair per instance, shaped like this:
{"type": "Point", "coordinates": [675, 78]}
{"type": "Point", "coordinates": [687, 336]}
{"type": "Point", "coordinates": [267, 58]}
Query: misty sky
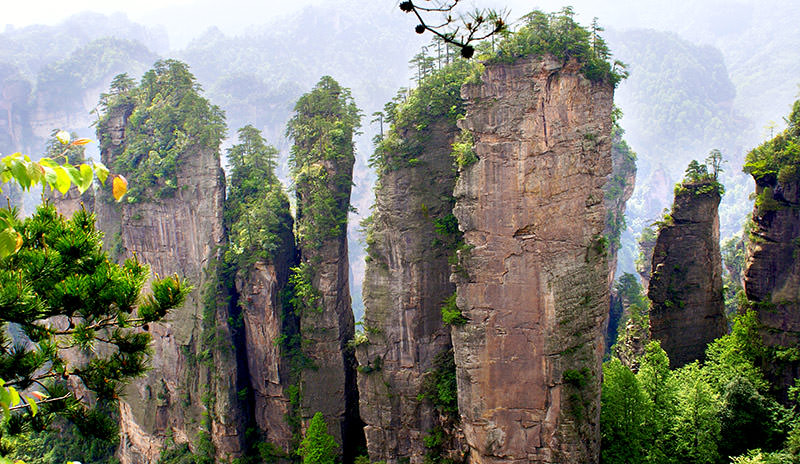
{"type": "Point", "coordinates": [186, 19]}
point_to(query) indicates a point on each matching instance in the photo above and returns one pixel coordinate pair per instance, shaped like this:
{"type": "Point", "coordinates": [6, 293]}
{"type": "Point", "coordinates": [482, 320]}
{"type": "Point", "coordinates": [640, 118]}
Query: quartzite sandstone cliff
{"type": "Point", "coordinates": [329, 385]}
{"type": "Point", "coordinates": [772, 273]}
{"type": "Point", "coordinates": [534, 285]}
{"type": "Point", "coordinates": [687, 310]}
{"type": "Point", "coordinates": [178, 234]}
{"type": "Point", "coordinates": [407, 279]}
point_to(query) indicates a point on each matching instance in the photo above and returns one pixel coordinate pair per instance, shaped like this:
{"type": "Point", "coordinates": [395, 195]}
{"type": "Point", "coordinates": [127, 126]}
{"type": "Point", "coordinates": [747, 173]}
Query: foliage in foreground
{"type": "Point", "coordinates": [61, 271]}
{"type": "Point", "coordinates": [700, 413]}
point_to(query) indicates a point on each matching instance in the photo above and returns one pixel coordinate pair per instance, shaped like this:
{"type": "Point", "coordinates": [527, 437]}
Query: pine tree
{"type": "Point", "coordinates": [318, 446]}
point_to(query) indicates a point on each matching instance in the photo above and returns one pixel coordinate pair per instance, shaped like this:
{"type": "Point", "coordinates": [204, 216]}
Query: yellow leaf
{"type": "Point", "coordinates": [62, 179]}
{"type": "Point", "coordinates": [80, 141]}
{"type": "Point", "coordinates": [63, 137]}
{"type": "Point", "coordinates": [119, 187]}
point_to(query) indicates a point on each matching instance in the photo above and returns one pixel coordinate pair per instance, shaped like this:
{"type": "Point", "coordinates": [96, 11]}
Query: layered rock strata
{"type": "Point", "coordinates": [772, 272]}
{"type": "Point", "coordinates": [407, 280]}
{"type": "Point", "coordinates": [533, 286]}
{"type": "Point", "coordinates": [266, 320]}
{"type": "Point", "coordinates": [687, 310]}
{"type": "Point", "coordinates": [178, 234]}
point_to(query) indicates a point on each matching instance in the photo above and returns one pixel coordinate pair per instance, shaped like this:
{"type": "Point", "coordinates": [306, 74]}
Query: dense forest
{"type": "Point", "coordinates": [536, 211]}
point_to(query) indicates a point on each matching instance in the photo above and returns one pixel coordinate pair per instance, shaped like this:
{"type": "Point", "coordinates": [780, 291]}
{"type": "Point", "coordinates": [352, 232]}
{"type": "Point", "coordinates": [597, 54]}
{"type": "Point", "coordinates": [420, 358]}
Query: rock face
{"type": "Point", "coordinates": [179, 234]}
{"type": "Point", "coordinates": [330, 386]}
{"type": "Point", "coordinates": [617, 192]}
{"type": "Point", "coordinates": [687, 310]}
{"type": "Point", "coordinates": [772, 273]}
{"type": "Point", "coordinates": [265, 319]}
{"type": "Point", "coordinates": [534, 285]}
{"type": "Point", "coordinates": [644, 262]}
{"type": "Point", "coordinates": [407, 279]}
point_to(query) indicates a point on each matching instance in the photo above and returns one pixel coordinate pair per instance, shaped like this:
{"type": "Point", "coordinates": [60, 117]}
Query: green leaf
{"type": "Point", "coordinates": [14, 396]}
{"type": "Point", "coordinates": [48, 163]}
{"type": "Point", "coordinates": [101, 171]}
{"type": "Point", "coordinates": [50, 176]}
{"type": "Point", "coordinates": [32, 403]}
{"type": "Point", "coordinates": [35, 172]}
{"type": "Point", "coordinates": [86, 178]}
{"type": "Point", "coordinates": [62, 179]}
{"type": "Point", "coordinates": [20, 173]}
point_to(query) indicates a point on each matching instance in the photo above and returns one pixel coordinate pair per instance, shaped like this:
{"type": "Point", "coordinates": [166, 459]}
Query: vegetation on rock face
{"type": "Point", "coordinates": [559, 35]}
{"type": "Point", "coordinates": [634, 326]}
{"type": "Point", "coordinates": [256, 208]}
{"type": "Point", "coordinates": [437, 98]}
{"type": "Point", "coordinates": [778, 158]}
{"type": "Point", "coordinates": [166, 117]}
{"type": "Point", "coordinates": [733, 260]}
{"type": "Point", "coordinates": [321, 160]}
{"type": "Point", "coordinates": [439, 385]}
{"type": "Point", "coordinates": [624, 159]}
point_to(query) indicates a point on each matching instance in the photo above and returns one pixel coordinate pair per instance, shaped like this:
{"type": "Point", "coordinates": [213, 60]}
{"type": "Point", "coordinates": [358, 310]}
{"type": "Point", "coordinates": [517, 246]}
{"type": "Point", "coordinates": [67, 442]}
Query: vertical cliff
{"type": "Point", "coordinates": [322, 167]}
{"type": "Point", "coordinates": [617, 192]}
{"type": "Point", "coordinates": [258, 256]}
{"type": "Point", "coordinates": [532, 282]}
{"type": "Point", "coordinates": [411, 236]}
{"type": "Point", "coordinates": [644, 262]}
{"type": "Point", "coordinates": [687, 310]}
{"type": "Point", "coordinates": [164, 137]}
{"type": "Point", "coordinates": [772, 273]}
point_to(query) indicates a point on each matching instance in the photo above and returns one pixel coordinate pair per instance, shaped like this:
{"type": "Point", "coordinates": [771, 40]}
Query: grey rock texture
{"type": "Point", "coordinates": [407, 280]}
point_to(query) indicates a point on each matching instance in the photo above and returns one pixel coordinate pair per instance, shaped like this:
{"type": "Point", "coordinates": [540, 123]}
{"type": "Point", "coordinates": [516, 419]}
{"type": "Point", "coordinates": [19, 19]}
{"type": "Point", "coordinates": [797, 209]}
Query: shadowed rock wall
{"type": "Point", "coordinates": [407, 279]}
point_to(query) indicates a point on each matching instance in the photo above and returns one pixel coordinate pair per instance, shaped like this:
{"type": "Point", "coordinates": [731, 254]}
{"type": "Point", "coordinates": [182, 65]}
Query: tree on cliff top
{"type": "Point", "coordinates": [256, 207]}
{"type": "Point", "coordinates": [167, 116]}
{"type": "Point", "coordinates": [322, 129]}
{"type": "Point", "coordinates": [778, 158]}
{"type": "Point", "coordinates": [559, 35]}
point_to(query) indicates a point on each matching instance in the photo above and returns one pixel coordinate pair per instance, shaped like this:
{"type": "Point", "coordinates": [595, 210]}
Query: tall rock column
{"type": "Point", "coordinates": [322, 167]}
{"type": "Point", "coordinates": [260, 252]}
{"type": "Point", "coordinates": [688, 308]}
{"type": "Point", "coordinates": [533, 287]}
{"type": "Point", "coordinates": [411, 235]}
{"type": "Point", "coordinates": [772, 273]}
{"type": "Point", "coordinates": [172, 220]}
